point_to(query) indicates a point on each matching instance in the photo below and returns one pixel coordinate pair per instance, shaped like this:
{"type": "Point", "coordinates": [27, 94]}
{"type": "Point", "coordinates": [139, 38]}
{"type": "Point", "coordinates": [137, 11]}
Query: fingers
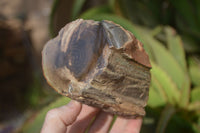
{"type": "Point", "coordinates": [83, 120]}
{"type": "Point", "coordinates": [102, 123]}
{"type": "Point", "coordinates": [133, 126]}
{"type": "Point", "coordinates": [123, 125]}
{"type": "Point", "coordinates": [58, 119]}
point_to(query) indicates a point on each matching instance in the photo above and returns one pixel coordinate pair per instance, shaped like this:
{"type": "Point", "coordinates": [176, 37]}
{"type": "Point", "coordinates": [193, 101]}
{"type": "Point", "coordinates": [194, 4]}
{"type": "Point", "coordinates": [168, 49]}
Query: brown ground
{"type": "Point", "coordinates": [23, 32]}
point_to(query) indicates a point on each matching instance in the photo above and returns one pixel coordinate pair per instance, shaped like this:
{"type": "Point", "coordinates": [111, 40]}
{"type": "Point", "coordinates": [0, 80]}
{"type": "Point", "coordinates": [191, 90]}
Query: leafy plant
{"type": "Point", "coordinates": [174, 97]}
{"type": "Point", "coordinates": [36, 125]}
{"type": "Point", "coordinates": [181, 14]}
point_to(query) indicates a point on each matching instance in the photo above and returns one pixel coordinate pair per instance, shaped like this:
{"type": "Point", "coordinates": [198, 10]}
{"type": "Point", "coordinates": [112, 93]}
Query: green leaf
{"type": "Point", "coordinates": [156, 30]}
{"type": "Point", "coordinates": [194, 106]}
{"type": "Point", "coordinates": [52, 14]}
{"type": "Point", "coordinates": [175, 46]}
{"type": "Point", "coordinates": [95, 11]}
{"type": "Point", "coordinates": [36, 125]}
{"type": "Point", "coordinates": [195, 94]}
{"type": "Point", "coordinates": [165, 117]}
{"type": "Point", "coordinates": [185, 94]}
{"type": "Point", "coordinates": [113, 121]}
{"type": "Point", "coordinates": [153, 98]}
{"type": "Point", "coordinates": [196, 128]}
{"type": "Point", "coordinates": [199, 121]}
{"type": "Point", "coordinates": [77, 6]}
{"type": "Point", "coordinates": [61, 12]}
{"type": "Point", "coordinates": [167, 84]}
{"type": "Point", "coordinates": [158, 88]}
{"type": "Point", "coordinates": [195, 99]}
{"type": "Point", "coordinates": [194, 71]}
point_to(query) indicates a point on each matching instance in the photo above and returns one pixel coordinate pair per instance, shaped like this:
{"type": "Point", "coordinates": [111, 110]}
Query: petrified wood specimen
{"type": "Point", "coordinates": [100, 64]}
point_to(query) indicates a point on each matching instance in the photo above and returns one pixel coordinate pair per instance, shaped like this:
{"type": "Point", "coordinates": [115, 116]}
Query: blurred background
{"type": "Point", "coordinates": [169, 30]}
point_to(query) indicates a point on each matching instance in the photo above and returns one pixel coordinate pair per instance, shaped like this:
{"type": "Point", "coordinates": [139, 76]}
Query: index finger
{"type": "Point", "coordinates": [123, 125]}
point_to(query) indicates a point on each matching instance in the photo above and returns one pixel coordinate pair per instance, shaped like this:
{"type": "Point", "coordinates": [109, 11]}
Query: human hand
{"type": "Point", "coordinates": [75, 118]}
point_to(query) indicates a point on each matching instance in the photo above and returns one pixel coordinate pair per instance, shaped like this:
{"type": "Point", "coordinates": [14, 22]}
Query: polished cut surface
{"type": "Point", "coordinates": [100, 64]}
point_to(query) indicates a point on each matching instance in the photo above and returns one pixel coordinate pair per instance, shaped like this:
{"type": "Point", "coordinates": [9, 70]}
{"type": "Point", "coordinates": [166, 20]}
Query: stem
{"type": "Point", "coordinates": [165, 117]}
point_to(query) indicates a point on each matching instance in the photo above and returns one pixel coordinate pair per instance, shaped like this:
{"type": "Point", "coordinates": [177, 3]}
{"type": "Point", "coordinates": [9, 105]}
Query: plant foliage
{"type": "Point", "coordinates": [175, 85]}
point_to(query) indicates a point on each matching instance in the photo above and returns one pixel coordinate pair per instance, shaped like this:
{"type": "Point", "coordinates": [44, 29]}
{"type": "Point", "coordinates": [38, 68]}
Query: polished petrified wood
{"type": "Point", "coordinates": [100, 64]}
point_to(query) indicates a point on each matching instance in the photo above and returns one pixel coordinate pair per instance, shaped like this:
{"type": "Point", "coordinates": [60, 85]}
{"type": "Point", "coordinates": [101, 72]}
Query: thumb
{"type": "Point", "coordinates": [58, 119]}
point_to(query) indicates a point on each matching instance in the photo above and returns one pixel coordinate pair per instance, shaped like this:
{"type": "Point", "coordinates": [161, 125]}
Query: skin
{"type": "Point", "coordinates": [76, 118]}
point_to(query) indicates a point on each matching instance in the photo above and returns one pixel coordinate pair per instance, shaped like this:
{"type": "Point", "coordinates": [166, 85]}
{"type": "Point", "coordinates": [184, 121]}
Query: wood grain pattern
{"type": "Point", "coordinates": [99, 64]}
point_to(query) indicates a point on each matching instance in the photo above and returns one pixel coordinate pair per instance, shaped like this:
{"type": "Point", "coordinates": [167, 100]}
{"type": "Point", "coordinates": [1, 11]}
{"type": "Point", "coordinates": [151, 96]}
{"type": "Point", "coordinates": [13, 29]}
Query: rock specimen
{"type": "Point", "coordinates": [99, 64]}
